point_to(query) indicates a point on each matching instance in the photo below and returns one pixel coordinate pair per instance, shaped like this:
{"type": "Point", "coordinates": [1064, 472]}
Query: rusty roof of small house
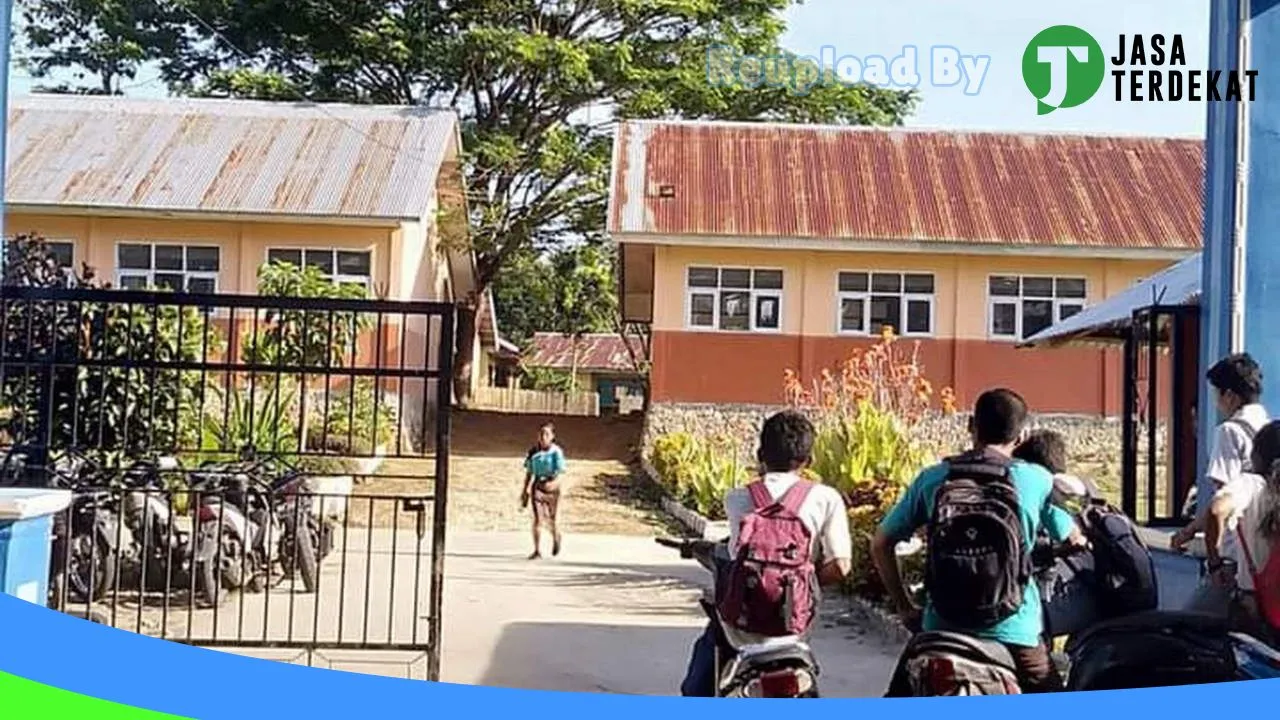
{"type": "Point", "coordinates": [779, 181]}
{"type": "Point", "coordinates": [596, 352]}
{"type": "Point", "coordinates": [226, 156]}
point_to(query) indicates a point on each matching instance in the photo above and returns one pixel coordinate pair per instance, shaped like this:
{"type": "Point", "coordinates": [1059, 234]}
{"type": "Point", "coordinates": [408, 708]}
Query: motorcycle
{"type": "Point", "coordinates": [263, 523]}
{"type": "Point", "coordinates": [778, 668]}
{"type": "Point", "coordinates": [85, 535]}
{"type": "Point", "coordinates": [165, 556]}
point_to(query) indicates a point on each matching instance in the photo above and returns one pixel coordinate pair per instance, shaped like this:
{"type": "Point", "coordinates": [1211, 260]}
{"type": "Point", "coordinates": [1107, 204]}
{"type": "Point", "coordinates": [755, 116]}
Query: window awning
{"type": "Point", "coordinates": [1105, 322]}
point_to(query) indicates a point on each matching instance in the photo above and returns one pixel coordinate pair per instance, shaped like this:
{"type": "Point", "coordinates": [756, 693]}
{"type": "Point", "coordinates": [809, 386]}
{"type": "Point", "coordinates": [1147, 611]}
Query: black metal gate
{"type": "Point", "coordinates": [133, 399]}
{"type": "Point", "coordinates": [1158, 462]}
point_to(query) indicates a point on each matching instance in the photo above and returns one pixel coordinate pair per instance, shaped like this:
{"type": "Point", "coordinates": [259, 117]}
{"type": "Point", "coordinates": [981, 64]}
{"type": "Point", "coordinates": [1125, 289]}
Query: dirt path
{"type": "Point", "coordinates": [486, 470]}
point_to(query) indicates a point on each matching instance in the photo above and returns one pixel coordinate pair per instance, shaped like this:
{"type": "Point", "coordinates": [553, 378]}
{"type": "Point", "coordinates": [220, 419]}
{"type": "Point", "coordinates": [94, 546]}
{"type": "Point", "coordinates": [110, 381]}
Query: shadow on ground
{"type": "Point", "coordinates": [583, 657]}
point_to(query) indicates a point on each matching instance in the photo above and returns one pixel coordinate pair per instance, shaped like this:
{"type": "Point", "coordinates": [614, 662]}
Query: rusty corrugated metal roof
{"type": "Point", "coordinates": [226, 156]}
{"type": "Point", "coordinates": [887, 184]}
{"type": "Point", "coordinates": [596, 351]}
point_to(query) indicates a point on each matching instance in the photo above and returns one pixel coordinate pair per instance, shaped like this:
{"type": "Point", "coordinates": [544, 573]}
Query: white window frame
{"type": "Point", "coordinates": [904, 298]}
{"type": "Point", "coordinates": [1017, 300]}
{"type": "Point", "coordinates": [754, 294]}
{"type": "Point", "coordinates": [150, 274]}
{"type": "Point", "coordinates": [335, 277]}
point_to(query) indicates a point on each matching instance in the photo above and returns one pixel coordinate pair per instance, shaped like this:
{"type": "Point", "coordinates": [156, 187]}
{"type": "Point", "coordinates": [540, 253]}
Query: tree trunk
{"type": "Point", "coordinates": [573, 366]}
{"type": "Point", "coordinates": [465, 349]}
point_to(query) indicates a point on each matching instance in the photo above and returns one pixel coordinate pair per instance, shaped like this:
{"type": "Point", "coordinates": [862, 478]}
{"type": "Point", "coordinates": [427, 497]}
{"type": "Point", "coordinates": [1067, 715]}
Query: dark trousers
{"type": "Point", "coordinates": [700, 679]}
{"type": "Point", "coordinates": [1036, 671]}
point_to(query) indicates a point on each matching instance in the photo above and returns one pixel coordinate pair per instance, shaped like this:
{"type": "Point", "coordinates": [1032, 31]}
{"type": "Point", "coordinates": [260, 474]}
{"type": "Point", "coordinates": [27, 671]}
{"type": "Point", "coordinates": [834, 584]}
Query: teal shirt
{"type": "Point", "coordinates": [545, 464]}
{"type": "Point", "coordinates": [1034, 485]}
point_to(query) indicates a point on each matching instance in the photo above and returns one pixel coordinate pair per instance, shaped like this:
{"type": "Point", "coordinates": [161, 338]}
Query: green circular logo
{"type": "Point", "coordinates": [1063, 67]}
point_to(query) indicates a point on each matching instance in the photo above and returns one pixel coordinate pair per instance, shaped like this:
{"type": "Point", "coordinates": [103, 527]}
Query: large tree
{"type": "Point", "coordinates": [537, 83]}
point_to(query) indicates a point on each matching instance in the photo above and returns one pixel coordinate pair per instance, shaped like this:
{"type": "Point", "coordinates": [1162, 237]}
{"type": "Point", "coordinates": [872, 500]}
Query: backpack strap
{"type": "Point", "coordinates": [1244, 545]}
{"type": "Point", "coordinates": [760, 497]}
{"type": "Point", "coordinates": [795, 496]}
{"type": "Point", "coordinates": [979, 466]}
{"type": "Point", "coordinates": [791, 500]}
{"type": "Point", "coordinates": [1249, 431]}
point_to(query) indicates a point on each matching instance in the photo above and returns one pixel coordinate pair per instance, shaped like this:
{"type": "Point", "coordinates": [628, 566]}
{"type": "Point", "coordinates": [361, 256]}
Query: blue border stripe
{"type": "Point", "coordinates": [102, 662]}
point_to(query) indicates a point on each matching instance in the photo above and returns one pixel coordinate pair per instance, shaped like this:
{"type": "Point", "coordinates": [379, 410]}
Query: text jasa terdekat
{"type": "Point", "coordinates": [1154, 69]}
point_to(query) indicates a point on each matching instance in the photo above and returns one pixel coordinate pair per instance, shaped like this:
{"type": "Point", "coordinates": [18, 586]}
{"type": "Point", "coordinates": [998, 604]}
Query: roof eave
{"type": "Point", "coordinates": [165, 213]}
{"type": "Point", "coordinates": [902, 246]}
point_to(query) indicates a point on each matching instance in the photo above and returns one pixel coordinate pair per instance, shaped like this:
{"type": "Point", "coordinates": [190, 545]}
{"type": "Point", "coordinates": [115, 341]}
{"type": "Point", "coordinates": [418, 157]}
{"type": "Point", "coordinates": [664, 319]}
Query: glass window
{"type": "Point", "coordinates": [704, 277]}
{"type": "Point", "coordinates": [871, 302]}
{"type": "Point", "coordinates": [354, 263]}
{"type": "Point", "coordinates": [919, 317]}
{"type": "Point", "coordinates": [321, 260]}
{"type": "Point", "coordinates": [702, 310]}
{"type": "Point", "coordinates": [62, 253]}
{"type": "Point", "coordinates": [852, 315]}
{"type": "Point", "coordinates": [853, 282]}
{"type": "Point", "coordinates": [1004, 319]}
{"type": "Point", "coordinates": [735, 311]}
{"type": "Point", "coordinates": [293, 257]}
{"type": "Point", "coordinates": [1021, 307]}
{"type": "Point", "coordinates": [734, 299]}
{"type": "Point", "coordinates": [164, 266]}
{"type": "Point", "coordinates": [886, 311]}
{"type": "Point", "coordinates": [133, 257]}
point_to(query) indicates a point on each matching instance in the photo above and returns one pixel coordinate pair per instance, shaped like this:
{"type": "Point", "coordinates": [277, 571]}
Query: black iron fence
{"type": "Point", "coordinates": [1158, 451]}
{"type": "Point", "coordinates": [202, 436]}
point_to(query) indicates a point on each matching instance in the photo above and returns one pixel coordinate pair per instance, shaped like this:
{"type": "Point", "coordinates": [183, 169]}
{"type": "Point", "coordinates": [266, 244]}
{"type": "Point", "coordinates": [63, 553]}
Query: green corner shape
{"type": "Point", "coordinates": [21, 698]}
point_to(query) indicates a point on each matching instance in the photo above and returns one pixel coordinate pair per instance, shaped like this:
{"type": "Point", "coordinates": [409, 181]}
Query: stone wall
{"type": "Point", "coordinates": [1087, 436]}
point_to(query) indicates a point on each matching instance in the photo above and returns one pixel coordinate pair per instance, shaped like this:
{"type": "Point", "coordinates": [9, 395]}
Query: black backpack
{"type": "Point", "coordinates": [1124, 568]}
{"type": "Point", "coordinates": [977, 566]}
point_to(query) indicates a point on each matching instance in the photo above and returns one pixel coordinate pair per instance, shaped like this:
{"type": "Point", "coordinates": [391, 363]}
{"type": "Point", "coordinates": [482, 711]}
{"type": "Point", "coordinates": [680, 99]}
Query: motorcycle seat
{"type": "Point", "coordinates": [967, 646]}
{"type": "Point", "coordinates": [1157, 621]}
{"type": "Point", "coordinates": [769, 653]}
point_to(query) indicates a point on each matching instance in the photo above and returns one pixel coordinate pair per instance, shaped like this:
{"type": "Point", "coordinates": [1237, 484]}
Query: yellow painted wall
{"type": "Point", "coordinates": [404, 265]}
{"type": "Point", "coordinates": [809, 302]}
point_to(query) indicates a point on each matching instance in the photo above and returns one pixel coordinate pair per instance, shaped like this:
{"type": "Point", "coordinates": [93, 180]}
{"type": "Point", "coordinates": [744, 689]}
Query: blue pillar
{"type": "Point", "coordinates": [1221, 161]}
{"type": "Point", "coordinates": [6, 17]}
{"type": "Point", "coordinates": [1260, 276]}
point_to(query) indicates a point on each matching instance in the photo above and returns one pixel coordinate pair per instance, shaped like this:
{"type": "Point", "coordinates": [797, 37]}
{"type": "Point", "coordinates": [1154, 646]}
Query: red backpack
{"type": "Point", "coordinates": [771, 586]}
{"type": "Point", "coordinates": [1266, 580]}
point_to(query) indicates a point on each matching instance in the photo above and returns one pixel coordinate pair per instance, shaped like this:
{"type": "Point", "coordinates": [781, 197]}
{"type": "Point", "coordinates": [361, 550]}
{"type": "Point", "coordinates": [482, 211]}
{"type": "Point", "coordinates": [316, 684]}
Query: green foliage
{"type": "Point", "coordinates": [310, 338]}
{"type": "Point", "coordinates": [537, 84]}
{"type": "Point", "coordinates": [104, 42]}
{"type": "Point", "coordinates": [358, 421]}
{"type": "Point", "coordinates": [123, 411]}
{"type": "Point", "coordinates": [550, 379]}
{"type": "Point", "coordinates": [258, 418]}
{"type": "Point", "coordinates": [699, 472]}
{"type": "Point", "coordinates": [870, 457]}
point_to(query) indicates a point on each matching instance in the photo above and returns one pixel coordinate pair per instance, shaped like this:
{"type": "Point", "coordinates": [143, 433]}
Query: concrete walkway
{"type": "Point", "coordinates": [612, 614]}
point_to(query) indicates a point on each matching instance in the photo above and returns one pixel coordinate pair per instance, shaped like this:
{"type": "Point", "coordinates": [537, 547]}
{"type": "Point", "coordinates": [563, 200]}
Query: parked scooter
{"type": "Point", "coordinates": [264, 521]}
{"type": "Point", "coordinates": [165, 556]}
{"type": "Point", "coordinates": [779, 668]}
{"type": "Point", "coordinates": [85, 536]}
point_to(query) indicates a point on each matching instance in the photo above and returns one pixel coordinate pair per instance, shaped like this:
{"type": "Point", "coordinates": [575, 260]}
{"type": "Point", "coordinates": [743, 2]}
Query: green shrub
{"type": "Point", "coordinates": [698, 472]}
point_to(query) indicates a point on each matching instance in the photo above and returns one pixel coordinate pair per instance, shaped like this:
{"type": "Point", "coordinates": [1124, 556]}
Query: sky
{"type": "Point", "coordinates": [999, 29]}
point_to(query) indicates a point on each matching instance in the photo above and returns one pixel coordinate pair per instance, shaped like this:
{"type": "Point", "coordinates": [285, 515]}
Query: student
{"type": "Point", "coordinates": [1048, 449]}
{"type": "Point", "coordinates": [543, 467]}
{"type": "Point", "coordinates": [1236, 382]}
{"type": "Point", "coordinates": [786, 448]}
{"type": "Point", "coordinates": [996, 426]}
{"type": "Point", "coordinates": [1248, 509]}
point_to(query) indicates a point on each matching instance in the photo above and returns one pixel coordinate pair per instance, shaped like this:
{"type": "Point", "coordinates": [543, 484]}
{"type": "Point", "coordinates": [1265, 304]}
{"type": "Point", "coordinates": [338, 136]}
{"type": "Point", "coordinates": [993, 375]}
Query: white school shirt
{"type": "Point", "coordinates": [822, 512]}
{"type": "Point", "coordinates": [1246, 493]}
{"type": "Point", "coordinates": [1228, 457]}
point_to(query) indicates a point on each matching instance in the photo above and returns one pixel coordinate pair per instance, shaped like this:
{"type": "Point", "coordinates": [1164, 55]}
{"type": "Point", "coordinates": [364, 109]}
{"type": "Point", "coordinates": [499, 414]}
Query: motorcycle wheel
{"type": "Point", "coordinates": [231, 563]}
{"type": "Point", "coordinates": [90, 571]}
{"type": "Point", "coordinates": [307, 563]}
{"type": "Point", "coordinates": [303, 558]}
